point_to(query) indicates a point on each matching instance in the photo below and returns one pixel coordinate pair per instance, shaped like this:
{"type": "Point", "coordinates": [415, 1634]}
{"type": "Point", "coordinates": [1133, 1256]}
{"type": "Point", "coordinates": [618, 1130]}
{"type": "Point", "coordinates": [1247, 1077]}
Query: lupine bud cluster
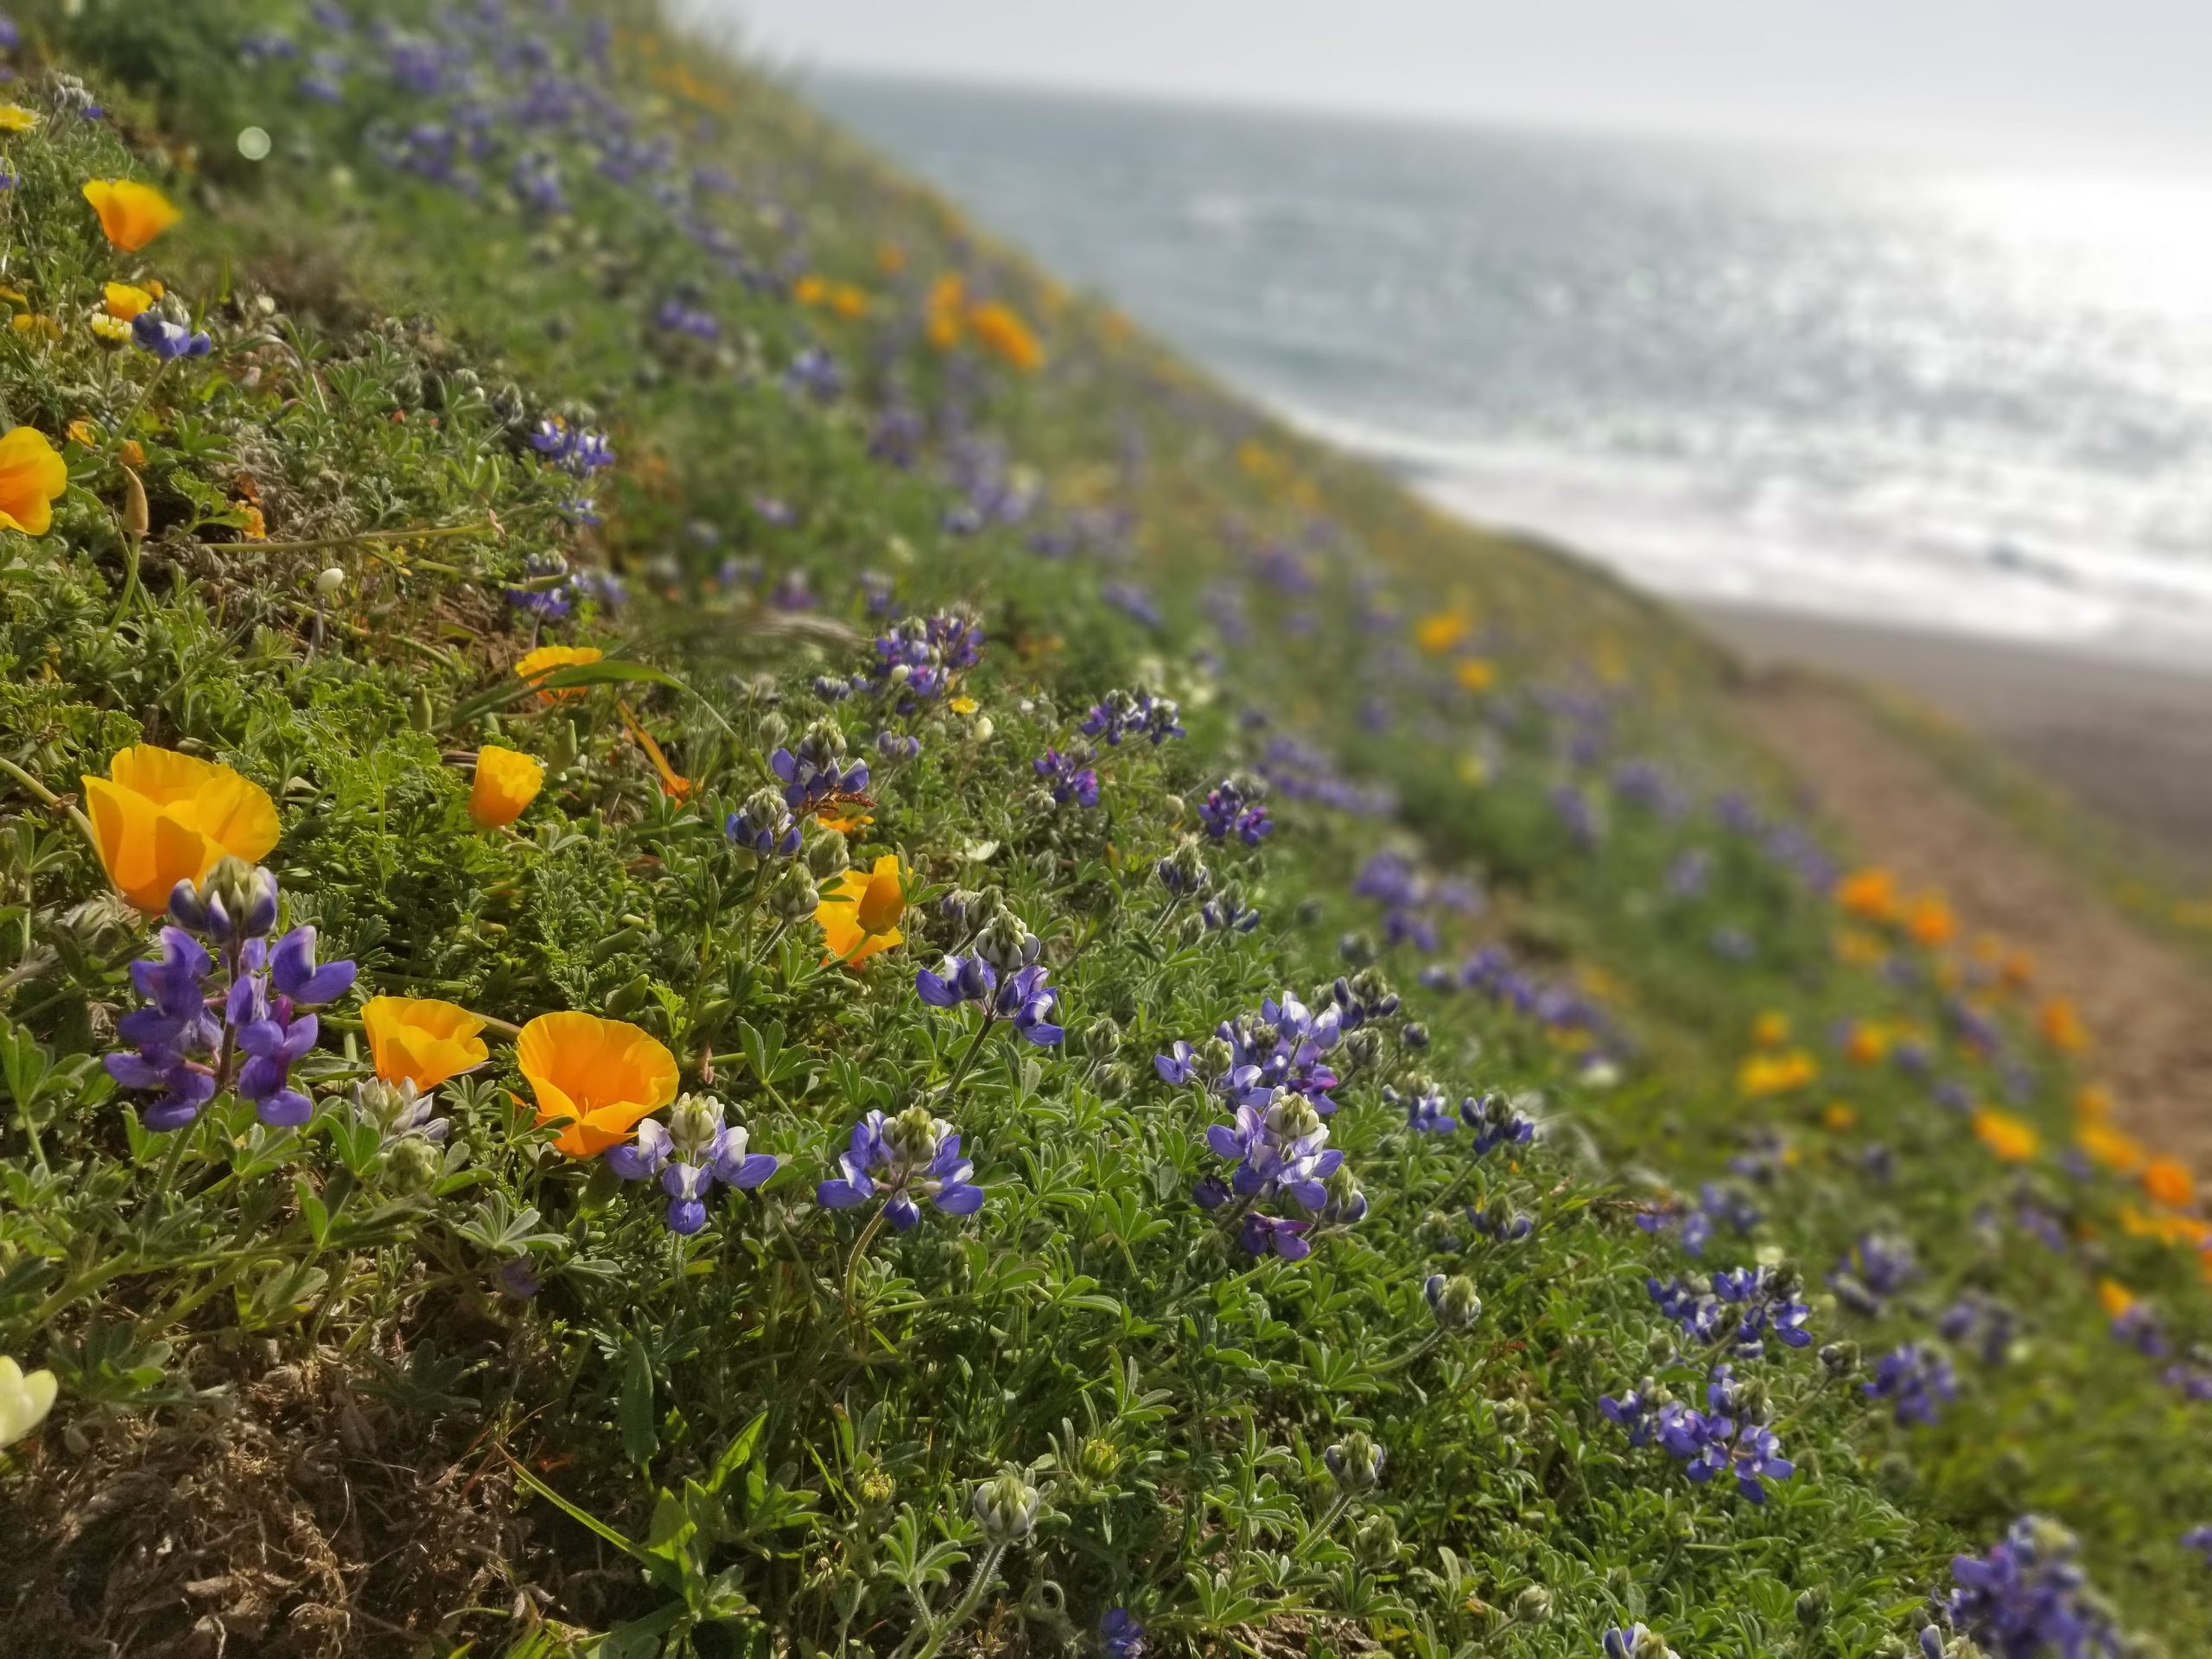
{"type": "Point", "coordinates": [1355, 1463]}
{"type": "Point", "coordinates": [917, 657]}
{"type": "Point", "coordinates": [1453, 1301]}
{"type": "Point", "coordinates": [1006, 1508]}
{"type": "Point", "coordinates": [764, 824]}
{"type": "Point", "coordinates": [192, 1039]}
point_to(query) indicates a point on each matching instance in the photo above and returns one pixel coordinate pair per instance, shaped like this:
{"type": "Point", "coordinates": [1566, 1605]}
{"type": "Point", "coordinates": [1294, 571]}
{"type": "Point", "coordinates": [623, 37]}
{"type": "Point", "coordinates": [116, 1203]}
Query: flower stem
{"type": "Point", "coordinates": [860, 1248]}
{"type": "Point", "coordinates": [941, 1630]}
{"type": "Point", "coordinates": [966, 1059]}
{"type": "Point", "coordinates": [48, 797]}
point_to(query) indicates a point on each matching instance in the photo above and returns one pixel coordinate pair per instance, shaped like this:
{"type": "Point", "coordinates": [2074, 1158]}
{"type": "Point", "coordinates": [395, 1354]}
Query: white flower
{"type": "Point", "coordinates": [24, 1400]}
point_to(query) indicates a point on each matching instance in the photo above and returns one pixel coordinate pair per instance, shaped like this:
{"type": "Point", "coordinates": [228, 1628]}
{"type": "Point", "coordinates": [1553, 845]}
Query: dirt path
{"type": "Point", "coordinates": [2149, 1009]}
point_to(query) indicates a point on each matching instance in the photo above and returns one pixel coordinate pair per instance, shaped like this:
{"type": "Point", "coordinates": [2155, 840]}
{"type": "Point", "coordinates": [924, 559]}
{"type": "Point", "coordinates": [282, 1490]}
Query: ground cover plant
{"type": "Point", "coordinates": [727, 930]}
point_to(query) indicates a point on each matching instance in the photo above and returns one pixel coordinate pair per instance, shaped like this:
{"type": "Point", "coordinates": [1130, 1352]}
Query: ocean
{"type": "Point", "coordinates": [1948, 396]}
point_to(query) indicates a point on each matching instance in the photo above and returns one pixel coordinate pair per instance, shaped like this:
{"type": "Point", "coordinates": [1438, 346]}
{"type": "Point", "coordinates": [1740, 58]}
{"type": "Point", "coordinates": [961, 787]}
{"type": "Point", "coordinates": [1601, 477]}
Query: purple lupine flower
{"type": "Point", "coordinates": [1632, 1642]}
{"type": "Point", "coordinates": [1177, 1066]}
{"type": "Point", "coordinates": [179, 1046]}
{"type": "Point", "coordinates": [1495, 1122]}
{"type": "Point", "coordinates": [764, 825]}
{"type": "Point", "coordinates": [956, 980]}
{"type": "Point", "coordinates": [911, 1155]}
{"type": "Point", "coordinates": [1069, 777]}
{"type": "Point", "coordinates": [1226, 912]}
{"type": "Point", "coordinates": [548, 603]}
{"type": "Point", "coordinates": [1768, 1303]}
{"type": "Point", "coordinates": [1119, 1636]}
{"type": "Point", "coordinates": [1915, 1379]}
{"type": "Point", "coordinates": [1278, 1146]}
{"type": "Point", "coordinates": [812, 773]}
{"type": "Point", "coordinates": [1273, 1236]}
{"type": "Point", "coordinates": [1028, 1001]}
{"type": "Point", "coordinates": [814, 373]}
{"type": "Point", "coordinates": [2199, 1540]}
{"type": "Point", "coordinates": [2138, 1327]}
{"type": "Point", "coordinates": [897, 747]}
{"type": "Point", "coordinates": [1500, 1222]}
{"type": "Point", "coordinates": [1635, 1411]}
{"type": "Point", "coordinates": [2027, 1597]}
{"type": "Point", "coordinates": [690, 1154]}
{"type": "Point", "coordinates": [1121, 714]}
{"type": "Point", "coordinates": [167, 341]}
{"type": "Point", "coordinates": [1872, 1271]}
{"type": "Point", "coordinates": [1230, 808]}
{"type": "Point", "coordinates": [1429, 1109]}
{"type": "Point", "coordinates": [1981, 1320]}
{"type": "Point", "coordinates": [917, 657]}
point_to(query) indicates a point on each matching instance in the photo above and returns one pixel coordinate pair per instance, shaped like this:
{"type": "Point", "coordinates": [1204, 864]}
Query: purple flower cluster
{"type": "Point", "coordinates": [1981, 1322]}
{"type": "Point", "coordinates": [181, 1045]}
{"type": "Point", "coordinates": [1757, 1301]}
{"type": "Point", "coordinates": [1718, 1207]}
{"type": "Point", "coordinates": [764, 825]}
{"type": "Point", "coordinates": [1872, 1271]}
{"type": "Point", "coordinates": [1231, 807]}
{"type": "Point", "coordinates": [1279, 1148]}
{"type": "Point", "coordinates": [918, 656]}
{"type": "Point", "coordinates": [815, 770]}
{"type": "Point", "coordinates": [1022, 998]}
{"type": "Point", "coordinates": [1121, 714]}
{"type": "Point", "coordinates": [2028, 1598]}
{"type": "Point", "coordinates": [903, 1158]}
{"type": "Point", "coordinates": [1916, 1380]}
{"type": "Point", "coordinates": [1070, 777]}
{"type": "Point", "coordinates": [690, 1154]}
{"type": "Point", "coordinates": [1728, 1437]}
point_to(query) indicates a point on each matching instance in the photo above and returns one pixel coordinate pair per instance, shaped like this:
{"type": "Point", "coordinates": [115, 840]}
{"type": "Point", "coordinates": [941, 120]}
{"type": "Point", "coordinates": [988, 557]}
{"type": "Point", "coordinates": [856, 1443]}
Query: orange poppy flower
{"type": "Point", "coordinates": [2110, 1148]}
{"type": "Point", "coordinates": [1930, 922]}
{"type": "Point", "coordinates": [2168, 1182]}
{"type": "Point", "coordinates": [33, 475]}
{"type": "Point", "coordinates": [548, 659]}
{"type": "Point", "coordinates": [599, 1078]}
{"type": "Point", "coordinates": [2116, 1297]}
{"type": "Point", "coordinates": [422, 1040]}
{"type": "Point", "coordinates": [1869, 894]}
{"type": "Point", "coordinates": [506, 781]}
{"type": "Point", "coordinates": [999, 329]}
{"type": "Point", "coordinates": [160, 817]}
{"type": "Point", "coordinates": [2062, 1027]}
{"type": "Point", "coordinates": [124, 301]}
{"type": "Point", "coordinates": [131, 214]}
{"type": "Point", "coordinates": [861, 912]}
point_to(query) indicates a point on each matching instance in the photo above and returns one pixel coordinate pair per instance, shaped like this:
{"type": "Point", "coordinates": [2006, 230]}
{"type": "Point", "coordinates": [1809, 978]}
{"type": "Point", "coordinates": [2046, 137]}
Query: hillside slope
{"type": "Point", "coordinates": [1055, 1011]}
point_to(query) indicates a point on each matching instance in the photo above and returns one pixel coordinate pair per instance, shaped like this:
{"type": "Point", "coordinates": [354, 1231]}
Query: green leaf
{"type": "Point", "coordinates": [634, 1410]}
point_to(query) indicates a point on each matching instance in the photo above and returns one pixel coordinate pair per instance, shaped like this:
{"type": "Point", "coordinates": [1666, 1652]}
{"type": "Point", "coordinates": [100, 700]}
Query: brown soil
{"type": "Point", "coordinates": [2148, 1008]}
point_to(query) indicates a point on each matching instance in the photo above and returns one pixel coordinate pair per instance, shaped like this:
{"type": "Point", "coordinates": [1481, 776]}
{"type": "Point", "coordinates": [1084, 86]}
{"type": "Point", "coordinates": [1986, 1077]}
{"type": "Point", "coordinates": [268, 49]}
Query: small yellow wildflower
{"type": "Point", "coordinates": [1442, 631]}
{"type": "Point", "coordinates": [1770, 1029]}
{"type": "Point", "coordinates": [963, 705]}
{"type": "Point", "coordinates": [2011, 1138]}
{"type": "Point", "coordinates": [14, 117]}
{"type": "Point", "coordinates": [1761, 1075]}
{"type": "Point", "coordinates": [1475, 674]}
{"type": "Point", "coordinates": [109, 331]}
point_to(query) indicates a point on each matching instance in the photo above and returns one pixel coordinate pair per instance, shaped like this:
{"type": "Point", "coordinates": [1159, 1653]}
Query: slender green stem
{"type": "Point", "coordinates": [123, 427]}
{"type": "Point", "coordinates": [860, 1248]}
{"type": "Point", "coordinates": [48, 797]}
{"type": "Point", "coordinates": [942, 1628]}
{"type": "Point", "coordinates": [966, 1059]}
{"type": "Point", "coordinates": [473, 527]}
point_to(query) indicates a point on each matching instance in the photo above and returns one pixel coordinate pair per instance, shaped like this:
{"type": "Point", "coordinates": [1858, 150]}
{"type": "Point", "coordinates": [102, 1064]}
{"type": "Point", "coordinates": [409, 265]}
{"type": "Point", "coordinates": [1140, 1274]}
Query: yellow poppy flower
{"type": "Point", "coordinates": [1770, 1029]}
{"type": "Point", "coordinates": [2111, 1148]}
{"type": "Point", "coordinates": [1475, 674]}
{"type": "Point", "coordinates": [1441, 630]}
{"type": "Point", "coordinates": [421, 1040]}
{"type": "Point", "coordinates": [160, 817]}
{"type": "Point", "coordinates": [506, 782]}
{"type": "Point", "coordinates": [2009, 1137]}
{"type": "Point", "coordinates": [861, 912]}
{"type": "Point", "coordinates": [599, 1078]}
{"type": "Point", "coordinates": [547, 659]}
{"type": "Point", "coordinates": [124, 301]}
{"type": "Point", "coordinates": [33, 475]}
{"type": "Point", "coordinates": [1776, 1074]}
{"type": "Point", "coordinates": [14, 117]}
{"type": "Point", "coordinates": [132, 214]}
{"type": "Point", "coordinates": [2116, 1297]}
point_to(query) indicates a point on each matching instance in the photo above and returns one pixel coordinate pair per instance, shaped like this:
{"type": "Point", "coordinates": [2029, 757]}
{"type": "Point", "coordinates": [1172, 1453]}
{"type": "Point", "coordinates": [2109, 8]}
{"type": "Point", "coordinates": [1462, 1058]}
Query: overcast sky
{"type": "Point", "coordinates": [2095, 82]}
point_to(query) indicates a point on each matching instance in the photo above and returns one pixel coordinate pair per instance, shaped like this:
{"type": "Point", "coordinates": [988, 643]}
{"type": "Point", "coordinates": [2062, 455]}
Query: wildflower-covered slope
{"type": "Point", "coordinates": [727, 929]}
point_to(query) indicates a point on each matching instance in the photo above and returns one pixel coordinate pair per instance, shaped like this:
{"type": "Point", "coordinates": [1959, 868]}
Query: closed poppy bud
{"type": "Point", "coordinates": [135, 519]}
{"type": "Point", "coordinates": [131, 214]}
{"type": "Point", "coordinates": [506, 782]}
{"type": "Point", "coordinates": [160, 817]}
{"type": "Point", "coordinates": [421, 713]}
{"type": "Point", "coordinates": [422, 1040]}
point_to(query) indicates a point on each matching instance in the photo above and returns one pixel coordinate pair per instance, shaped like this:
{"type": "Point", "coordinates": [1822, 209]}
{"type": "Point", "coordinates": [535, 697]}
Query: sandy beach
{"type": "Point", "coordinates": [2131, 740]}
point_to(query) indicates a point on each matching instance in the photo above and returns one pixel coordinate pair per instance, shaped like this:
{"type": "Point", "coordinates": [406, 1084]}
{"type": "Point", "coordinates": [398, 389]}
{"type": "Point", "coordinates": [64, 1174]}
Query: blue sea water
{"type": "Point", "coordinates": [1950, 396]}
